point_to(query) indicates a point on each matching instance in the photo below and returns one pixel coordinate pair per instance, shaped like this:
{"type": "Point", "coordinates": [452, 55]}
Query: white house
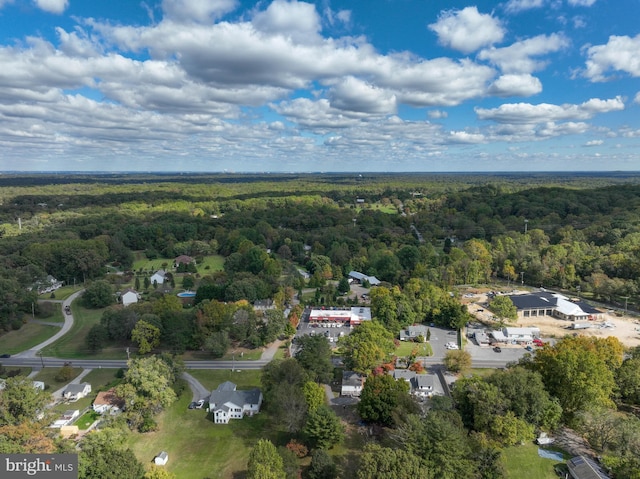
{"type": "Point", "coordinates": [521, 334]}
{"type": "Point", "coordinates": [352, 383]}
{"type": "Point", "coordinates": [73, 392]}
{"type": "Point", "coordinates": [421, 384]}
{"type": "Point", "coordinates": [158, 277]}
{"type": "Point", "coordinates": [108, 401]}
{"type": "Point", "coordinates": [161, 459]}
{"type": "Point", "coordinates": [227, 403]}
{"type": "Point", "coordinates": [129, 296]}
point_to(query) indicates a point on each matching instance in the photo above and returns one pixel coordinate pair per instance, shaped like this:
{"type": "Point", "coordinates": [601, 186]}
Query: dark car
{"type": "Point", "coordinates": [497, 349]}
{"type": "Point", "coordinates": [5, 356]}
{"type": "Point", "coordinates": [193, 405]}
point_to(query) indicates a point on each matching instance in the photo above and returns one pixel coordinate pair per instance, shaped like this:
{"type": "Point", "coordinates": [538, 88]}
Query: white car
{"type": "Point", "coordinates": [451, 346]}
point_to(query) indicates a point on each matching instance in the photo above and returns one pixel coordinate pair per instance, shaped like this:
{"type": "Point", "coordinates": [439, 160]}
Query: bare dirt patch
{"type": "Point", "coordinates": [626, 328]}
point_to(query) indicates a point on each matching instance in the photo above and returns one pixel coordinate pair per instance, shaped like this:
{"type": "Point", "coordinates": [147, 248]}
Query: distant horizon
{"type": "Point", "coordinates": [319, 85]}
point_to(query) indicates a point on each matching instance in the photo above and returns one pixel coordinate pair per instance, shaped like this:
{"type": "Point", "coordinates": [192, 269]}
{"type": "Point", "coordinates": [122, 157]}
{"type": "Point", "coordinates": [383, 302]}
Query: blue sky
{"type": "Point", "coordinates": [291, 86]}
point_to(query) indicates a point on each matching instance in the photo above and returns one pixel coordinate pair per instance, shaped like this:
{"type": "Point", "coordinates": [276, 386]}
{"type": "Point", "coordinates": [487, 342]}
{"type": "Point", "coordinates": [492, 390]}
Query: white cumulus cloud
{"type": "Point", "coordinates": [200, 11]}
{"type": "Point", "coordinates": [620, 53]}
{"type": "Point", "coordinates": [467, 30]}
{"type": "Point", "coordinates": [544, 112]}
{"type": "Point", "coordinates": [516, 85]}
{"type": "Point", "coordinates": [517, 6]}
{"type": "Point", "coordinates": [297, 20]}
{"type": "Point", "coordinates": [53, 6]}
{"type": "Point", "coordinates": [519, 57]}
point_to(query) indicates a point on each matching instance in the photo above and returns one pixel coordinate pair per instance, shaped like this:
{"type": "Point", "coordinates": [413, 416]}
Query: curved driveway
{"type": "Point", "coordinates": [68, 323]}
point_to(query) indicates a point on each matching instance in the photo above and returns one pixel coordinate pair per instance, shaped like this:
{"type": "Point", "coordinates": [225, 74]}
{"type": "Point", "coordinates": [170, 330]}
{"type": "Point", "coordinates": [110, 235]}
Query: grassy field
{"type": "Point", "coordinates": [211, 378]}
{"type": "Point", "coordinates": [26, 337]}
{"type": "Point", "coordinates": [72, 345]}
{"type": "Point", "coordinates": [198, 448]}
{"type": "Point", "coordinates": [213, 262]}
{"type": "Point", "coordinates": [524, 461]}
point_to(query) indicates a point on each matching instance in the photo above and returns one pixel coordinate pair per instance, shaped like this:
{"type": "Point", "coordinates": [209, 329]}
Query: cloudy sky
{"type": "Point", "coordinates": [327, 85]}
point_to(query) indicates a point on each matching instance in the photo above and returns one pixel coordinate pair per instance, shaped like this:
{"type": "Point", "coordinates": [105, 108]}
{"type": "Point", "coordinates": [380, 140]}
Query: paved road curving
{"type": "Point", "coordinates": [68, 323]}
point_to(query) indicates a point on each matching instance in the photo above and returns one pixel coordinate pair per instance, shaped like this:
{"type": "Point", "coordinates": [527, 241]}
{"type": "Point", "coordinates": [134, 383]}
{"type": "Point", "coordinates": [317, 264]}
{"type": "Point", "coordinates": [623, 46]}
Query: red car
{"type": "Point", "coordinates": [538, 342]}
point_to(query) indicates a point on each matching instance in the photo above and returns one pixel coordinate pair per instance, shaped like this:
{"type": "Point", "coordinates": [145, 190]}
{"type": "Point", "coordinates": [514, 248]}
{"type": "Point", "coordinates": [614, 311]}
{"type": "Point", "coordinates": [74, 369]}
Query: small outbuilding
{"type": "Point", "coordinates": [161, 459]}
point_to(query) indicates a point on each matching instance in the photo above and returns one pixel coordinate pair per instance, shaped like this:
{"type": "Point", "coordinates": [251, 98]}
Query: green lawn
{"type": "Point", "coordinates": [523, 461]}
{"type": "Point", "coordinates": [214, 262]}
{"type": "Point", "coordinates": [86, 420]}
{"type": "Point", "coordinates": [196, 446]}
{"type": "Point", "coordinates": [102, 379]}
{"type": "Point", "coordinates": [72, 345]}
{"type": "Point", "coordinates": [211, 378]}
{"type": "Point", "coordinates": [26, 337]}
{"type": "Point", "coordinates": [5, 369]}
{"type": "Point", "coordinates": [405, 348]}
{"type": "Point", "coordinates": [47, 376]}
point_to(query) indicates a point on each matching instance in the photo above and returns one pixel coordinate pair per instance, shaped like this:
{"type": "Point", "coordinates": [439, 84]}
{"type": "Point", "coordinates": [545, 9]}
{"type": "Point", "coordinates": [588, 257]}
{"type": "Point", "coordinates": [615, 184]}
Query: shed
{"type": "Point", "coordinates": [161, 459]}
{"type": "Point", "coordinates": [581, 467]}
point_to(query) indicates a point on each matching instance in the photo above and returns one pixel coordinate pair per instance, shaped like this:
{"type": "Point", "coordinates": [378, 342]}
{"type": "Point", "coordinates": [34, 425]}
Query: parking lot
{"type": "Point", "coordinates": [508, 352]}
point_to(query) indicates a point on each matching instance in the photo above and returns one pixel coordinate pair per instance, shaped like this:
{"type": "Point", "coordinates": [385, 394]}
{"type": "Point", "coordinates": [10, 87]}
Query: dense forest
{"type": "Point", "coordinates": [421, 235]}
{"type": "Point", "coordinates": [578, 233]}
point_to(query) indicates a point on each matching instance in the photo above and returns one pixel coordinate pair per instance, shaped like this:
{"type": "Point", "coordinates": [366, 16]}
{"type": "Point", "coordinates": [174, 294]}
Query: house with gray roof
{"type": "Point", "coordinates": [361, 277]}
{"type": "Point", "coordinates": [413, 332]}
{"type": "Point", "coordinates": [226, 402]}
{"type": "Point", "coordinates": [352, 383]}
{"type": "Point", "coordinates": [421, 384]}
{"type": "Point", "coordinates": [73, 392]}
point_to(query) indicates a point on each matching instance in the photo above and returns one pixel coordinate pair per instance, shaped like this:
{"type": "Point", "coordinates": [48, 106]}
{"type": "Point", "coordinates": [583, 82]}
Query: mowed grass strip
{"type": "Point", "coordinates": [62, 293]}
{"type": "Point", "coordinates": [28, 336]}
{"type": "Point", "coordinates": [196, 446]}
{"type": "Point", "coordinates": [524, 461]}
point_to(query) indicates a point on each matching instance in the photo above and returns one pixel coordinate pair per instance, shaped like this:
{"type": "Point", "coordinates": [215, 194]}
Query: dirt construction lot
{"type": "Point", "coordinates": [625, 328]}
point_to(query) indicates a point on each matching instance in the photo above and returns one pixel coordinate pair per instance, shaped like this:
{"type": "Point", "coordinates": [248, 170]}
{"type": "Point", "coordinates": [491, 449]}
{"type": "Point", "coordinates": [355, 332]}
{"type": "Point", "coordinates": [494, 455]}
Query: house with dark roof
{"type": "Point", "coordinates": [108, 401]}
{"type": "Point", "coordinates": [183, 259]}
{"type": "Point", "coordinates": [226, 402]}
{"type": "Point", "coordinates": [581, 467]}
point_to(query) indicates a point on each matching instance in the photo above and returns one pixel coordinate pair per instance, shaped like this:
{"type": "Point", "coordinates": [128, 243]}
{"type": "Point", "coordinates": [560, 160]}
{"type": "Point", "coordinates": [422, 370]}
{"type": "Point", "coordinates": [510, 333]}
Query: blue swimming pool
{"type": "Point", "coordinates": [187, 294]}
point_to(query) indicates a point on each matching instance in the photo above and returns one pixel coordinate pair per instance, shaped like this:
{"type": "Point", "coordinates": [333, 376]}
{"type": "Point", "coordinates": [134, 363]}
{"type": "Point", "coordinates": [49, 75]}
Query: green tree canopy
{"type": "Point", "coordinates": [503, 307]}
{"type": "Point", "coordinates": [265, 462]}
{"type": "Point", "coordinates": [323, 428]}
{"type": "Point", "coordinates": [98, 294]}
{"type": "Point", "coordinates": [377, 462]}
{"type": "Point", "coordinates": [368, 346]}
{"type": "Point", "coordinates": [314, 354]}
{"type": "Point", "coordinates": [380, 396]}
{"type": "Point", "coordinates": [579, 371]}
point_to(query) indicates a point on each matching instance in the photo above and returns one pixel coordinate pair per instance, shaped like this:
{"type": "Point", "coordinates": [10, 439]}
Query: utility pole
{"type": "Point", "coordinates": [522, 277]}
{"type": "Point", "coordinates": [41, 360]}
{"type": "Point", "coordinates": [233, 359]}
{"type": "Point", "coordinates": [626, 298]}
{"type": "Point", "coordinates": [128, 353]}
{"type": "Point", "coordinates": [526, 223]}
